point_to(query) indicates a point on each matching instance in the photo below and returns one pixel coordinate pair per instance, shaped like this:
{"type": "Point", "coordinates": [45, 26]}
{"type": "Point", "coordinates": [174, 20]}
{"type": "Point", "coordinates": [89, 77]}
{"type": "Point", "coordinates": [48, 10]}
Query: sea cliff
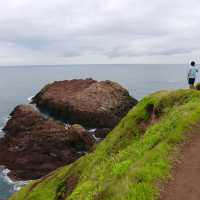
{"type": "Point", "coordinates": [134, 157]}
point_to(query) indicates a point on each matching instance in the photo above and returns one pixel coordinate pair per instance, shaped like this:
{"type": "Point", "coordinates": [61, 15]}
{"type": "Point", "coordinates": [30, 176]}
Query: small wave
{"type": "Point", "coordinates": [5, 119]}
{"type": "Point", "coordinates": [96, 138]}
{"type": "Point", "coordinates": [92, 130]}
{"type": "Point", "coordinates": [67, 126]}
{"type": "Point", "coordinates": [30, 98]}
{"type": "Point", "coordinates": [16, 185]}
{"type": "Point", "coordinates": [5, 176]}
{"type": "Point", "coordinates": [1, 132]}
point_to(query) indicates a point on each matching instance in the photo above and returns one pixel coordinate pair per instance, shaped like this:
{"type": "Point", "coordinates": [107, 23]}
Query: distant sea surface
{"type": "Point", "coordinates": [18, 83]}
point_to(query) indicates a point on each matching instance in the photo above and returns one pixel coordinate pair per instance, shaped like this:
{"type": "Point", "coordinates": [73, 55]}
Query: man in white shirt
{"type": "Point", "coordinates": [192, 73]}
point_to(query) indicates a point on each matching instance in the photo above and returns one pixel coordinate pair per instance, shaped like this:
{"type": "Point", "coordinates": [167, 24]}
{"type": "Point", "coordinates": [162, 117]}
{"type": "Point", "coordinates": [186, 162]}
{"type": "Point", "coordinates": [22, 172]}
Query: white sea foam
{"type": "Point", "coordinates": [92, 130]}
{"type": "Point", "coordinates": [16, 185]}
{"type": "Point", "coordinates": [67, 126]}
{"type": "Point", "coordinates": [96, 138]}
{"type": "Point", "coordinates": [30, 98]}
{"type": "Point", "coordinates": [1, 132]}
{"type": "Point", "coordinates": [5, 119]}
{"type": "Point", "coordinates": [5, 176]}
{"type": "Point", "coordinates": [19, 184]}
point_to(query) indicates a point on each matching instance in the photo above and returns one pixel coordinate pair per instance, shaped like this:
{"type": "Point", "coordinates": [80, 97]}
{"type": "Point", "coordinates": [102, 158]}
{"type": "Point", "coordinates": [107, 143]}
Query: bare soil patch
{"type": "Point", "coordinates": [185, 181]}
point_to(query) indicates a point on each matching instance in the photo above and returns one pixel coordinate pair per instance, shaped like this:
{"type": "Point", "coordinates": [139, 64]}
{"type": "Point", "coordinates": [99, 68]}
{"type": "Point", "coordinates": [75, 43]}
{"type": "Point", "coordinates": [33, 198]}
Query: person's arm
{"type": "Point", "coordinates": [188, 71]}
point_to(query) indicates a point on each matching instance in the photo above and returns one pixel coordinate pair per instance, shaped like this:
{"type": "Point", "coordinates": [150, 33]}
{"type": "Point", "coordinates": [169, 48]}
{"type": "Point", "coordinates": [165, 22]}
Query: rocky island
{"type": "Point", "coordinates": [87, 102]}
{"type": "Point", "coordinates": [55, 129]}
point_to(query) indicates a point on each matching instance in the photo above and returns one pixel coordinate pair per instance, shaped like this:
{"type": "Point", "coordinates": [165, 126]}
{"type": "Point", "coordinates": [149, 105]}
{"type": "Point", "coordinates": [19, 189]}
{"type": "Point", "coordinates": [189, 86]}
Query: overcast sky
{"type": "Point", "coordinates": [99, 31]}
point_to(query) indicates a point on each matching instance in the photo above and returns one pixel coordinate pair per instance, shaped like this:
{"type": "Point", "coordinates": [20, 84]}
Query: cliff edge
{"type": "Point", "coordinates": [132, 160]}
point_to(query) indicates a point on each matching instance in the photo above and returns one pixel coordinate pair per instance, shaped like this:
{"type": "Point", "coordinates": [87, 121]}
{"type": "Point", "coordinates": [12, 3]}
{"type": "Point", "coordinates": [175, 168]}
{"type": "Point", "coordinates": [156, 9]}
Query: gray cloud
{"type": "Point", "coordinates": [111, 31]}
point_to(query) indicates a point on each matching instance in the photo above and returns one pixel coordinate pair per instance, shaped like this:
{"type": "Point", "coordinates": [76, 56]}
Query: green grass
{"type": "Point", "coordinates": [128, 164]}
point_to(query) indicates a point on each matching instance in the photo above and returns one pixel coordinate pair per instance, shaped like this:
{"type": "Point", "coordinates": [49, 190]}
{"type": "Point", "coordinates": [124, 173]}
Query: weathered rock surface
{"type": "Point", "coordinates": [86, 102]}
{"type": "Point", "coordinates": [34, 145]}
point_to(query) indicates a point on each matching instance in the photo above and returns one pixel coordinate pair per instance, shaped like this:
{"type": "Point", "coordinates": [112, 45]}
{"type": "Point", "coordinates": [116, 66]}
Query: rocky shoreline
{"type": "Point", "coordinates": [35, 144]}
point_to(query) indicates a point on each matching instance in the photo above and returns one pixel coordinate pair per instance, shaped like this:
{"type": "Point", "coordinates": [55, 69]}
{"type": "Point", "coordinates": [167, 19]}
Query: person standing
{"type": "Point", "coordinates": [192, 74]}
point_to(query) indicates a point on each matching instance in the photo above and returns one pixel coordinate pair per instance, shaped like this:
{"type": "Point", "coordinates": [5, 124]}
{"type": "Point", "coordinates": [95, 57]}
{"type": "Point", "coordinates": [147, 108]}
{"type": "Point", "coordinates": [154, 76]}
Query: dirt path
{"type": "Point", "coordinates": [185, 184]}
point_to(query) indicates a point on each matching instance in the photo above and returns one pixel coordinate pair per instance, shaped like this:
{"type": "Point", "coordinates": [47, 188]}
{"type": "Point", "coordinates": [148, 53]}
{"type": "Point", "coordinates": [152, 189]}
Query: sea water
{"type": "Point", "coordinates": [19, 83]}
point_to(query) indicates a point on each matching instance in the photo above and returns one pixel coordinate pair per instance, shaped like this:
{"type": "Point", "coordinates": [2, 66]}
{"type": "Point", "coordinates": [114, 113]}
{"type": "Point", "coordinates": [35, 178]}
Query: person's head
{"type": "Point", "coordinates": [192, 63]}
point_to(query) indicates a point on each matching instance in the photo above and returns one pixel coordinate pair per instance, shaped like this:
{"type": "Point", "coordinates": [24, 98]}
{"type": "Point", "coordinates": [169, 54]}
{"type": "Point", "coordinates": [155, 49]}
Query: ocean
{"type": "Point", "coordinates": [19, 83]}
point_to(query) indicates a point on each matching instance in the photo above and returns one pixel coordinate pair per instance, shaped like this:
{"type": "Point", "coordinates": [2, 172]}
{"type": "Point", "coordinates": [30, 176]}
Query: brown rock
{"type": "Point", "coordinates": [34, 145]}
{"type": "Point", "coordinates": [87, 102]}
{"type": "Point", "coordinates": [77, 134]}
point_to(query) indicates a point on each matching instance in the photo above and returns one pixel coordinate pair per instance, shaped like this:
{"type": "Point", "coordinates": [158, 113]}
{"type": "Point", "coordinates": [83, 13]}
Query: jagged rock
{"type": "Point", "coordinates": [79, 136]}
{"type": "Point", "coordinates": [34, 145]}
{"type": "Point", "coordinates": [86, 102]}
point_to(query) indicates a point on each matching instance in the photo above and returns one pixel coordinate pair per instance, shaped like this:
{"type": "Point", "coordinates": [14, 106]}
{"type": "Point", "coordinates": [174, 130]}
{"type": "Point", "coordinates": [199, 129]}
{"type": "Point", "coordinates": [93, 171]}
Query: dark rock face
{"type": "Point", "coordinates": [86, 102]}
{"type": "Point", "coordinates": [34, 146]}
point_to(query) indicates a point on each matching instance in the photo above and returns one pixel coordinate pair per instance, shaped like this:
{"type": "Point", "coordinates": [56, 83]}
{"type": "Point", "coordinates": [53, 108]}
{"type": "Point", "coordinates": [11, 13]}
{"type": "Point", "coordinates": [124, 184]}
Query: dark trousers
{"type": "Point", "coordinates": [191, 82]}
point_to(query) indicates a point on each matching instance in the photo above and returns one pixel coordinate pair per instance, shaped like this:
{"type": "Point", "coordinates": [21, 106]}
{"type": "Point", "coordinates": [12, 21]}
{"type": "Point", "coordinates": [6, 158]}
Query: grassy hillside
{"type": "Point", "coordinates": [134, 157]}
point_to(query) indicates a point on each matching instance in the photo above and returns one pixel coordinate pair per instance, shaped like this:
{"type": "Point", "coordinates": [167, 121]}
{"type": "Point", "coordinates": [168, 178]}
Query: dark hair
{"type": "Point", "coordinates": [192, 63]}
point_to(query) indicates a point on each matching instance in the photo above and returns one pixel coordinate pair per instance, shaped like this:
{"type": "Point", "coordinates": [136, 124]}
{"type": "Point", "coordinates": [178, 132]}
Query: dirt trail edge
{"type": "Point", "coordinates": [185, 184]}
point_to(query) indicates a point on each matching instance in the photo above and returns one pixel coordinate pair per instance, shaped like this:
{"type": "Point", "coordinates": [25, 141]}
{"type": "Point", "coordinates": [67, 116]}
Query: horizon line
{"type": "Point", "coordinates": [35, 65]}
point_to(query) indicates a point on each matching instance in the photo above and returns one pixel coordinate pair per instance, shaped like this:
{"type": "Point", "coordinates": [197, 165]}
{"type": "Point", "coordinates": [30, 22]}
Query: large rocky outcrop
{"type": "Point", "coordinates": [34, 145]}
{"type": "Point", "coordinates": [87, 102]}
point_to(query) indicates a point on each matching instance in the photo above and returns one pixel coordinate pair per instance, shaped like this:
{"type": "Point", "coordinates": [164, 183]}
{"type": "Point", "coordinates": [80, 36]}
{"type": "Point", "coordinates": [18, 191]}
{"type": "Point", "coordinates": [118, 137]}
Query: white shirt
{"type": "Point", "coordinates": [192, 72]}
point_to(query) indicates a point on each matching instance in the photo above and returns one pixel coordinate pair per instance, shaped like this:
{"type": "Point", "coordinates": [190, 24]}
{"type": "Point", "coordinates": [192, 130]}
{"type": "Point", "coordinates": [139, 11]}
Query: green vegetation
{"type": "Point", "coordinates": [197, 86]}
{"type": "Point", "coordinates": [134, 157]}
